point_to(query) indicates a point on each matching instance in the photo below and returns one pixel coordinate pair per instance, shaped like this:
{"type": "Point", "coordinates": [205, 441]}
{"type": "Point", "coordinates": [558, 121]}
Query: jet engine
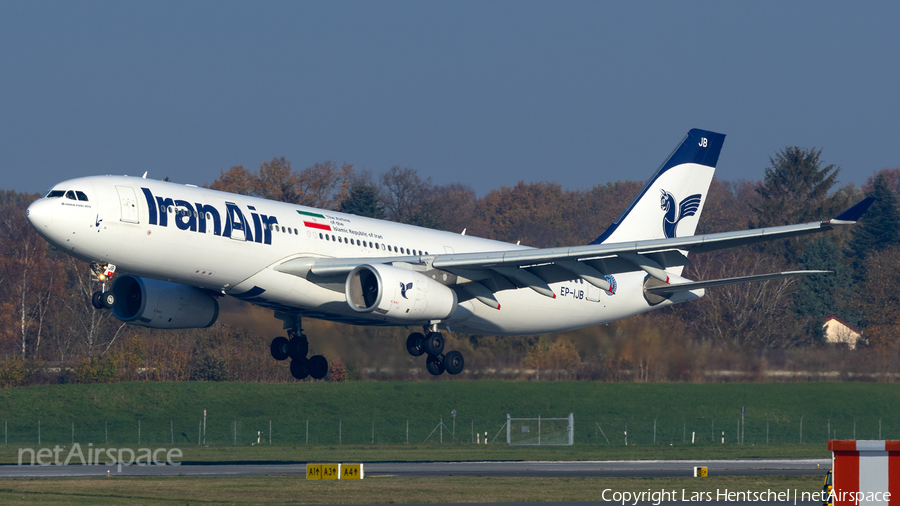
{"type": "Point", "coordinates": [398, 295]}
{"type": "Point", "coordinates": [161, 304]}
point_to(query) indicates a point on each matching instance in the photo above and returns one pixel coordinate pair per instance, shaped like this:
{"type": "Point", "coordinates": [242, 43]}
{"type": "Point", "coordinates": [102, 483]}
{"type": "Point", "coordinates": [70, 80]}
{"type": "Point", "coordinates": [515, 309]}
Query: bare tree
{"type": "Point", "coordinates": [403, 193]}
{"type": "Point", "coordinates": [753, 314]}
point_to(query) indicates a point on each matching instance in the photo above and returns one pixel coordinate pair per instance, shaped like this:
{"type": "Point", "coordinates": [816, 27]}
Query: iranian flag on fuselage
{"type": "Point", "coordinates": [313, 220]}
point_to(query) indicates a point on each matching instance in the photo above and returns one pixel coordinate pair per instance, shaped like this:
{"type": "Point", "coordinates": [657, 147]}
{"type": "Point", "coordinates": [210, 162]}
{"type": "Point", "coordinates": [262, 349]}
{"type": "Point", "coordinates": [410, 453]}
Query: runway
{"type": "Point", "coordinates": [642, 468]}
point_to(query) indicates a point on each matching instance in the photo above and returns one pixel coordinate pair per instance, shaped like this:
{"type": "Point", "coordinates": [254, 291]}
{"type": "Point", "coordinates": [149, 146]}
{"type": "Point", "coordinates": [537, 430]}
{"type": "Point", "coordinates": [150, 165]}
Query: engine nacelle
{"type": "Point", "coordinates": [398, 294]}
{"type": "Point", "coordinates": [161, 304]}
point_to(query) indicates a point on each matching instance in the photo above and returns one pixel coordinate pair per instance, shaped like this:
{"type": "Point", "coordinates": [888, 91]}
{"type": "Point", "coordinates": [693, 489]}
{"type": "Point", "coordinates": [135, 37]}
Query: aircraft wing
{"type": "Point", "coordinates": [695, 244]}
{"type": "Point", "coordinates": [696, 285]}
{"type": "Point", "coordinates": [538, 267]}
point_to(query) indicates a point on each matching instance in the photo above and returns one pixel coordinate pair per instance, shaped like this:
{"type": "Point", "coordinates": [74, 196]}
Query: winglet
{"type": "Point", "coordinates": [853, 214]}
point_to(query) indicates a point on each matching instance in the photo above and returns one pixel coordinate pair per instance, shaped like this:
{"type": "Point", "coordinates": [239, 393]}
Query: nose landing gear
{"type": "Point", "coordinates": [101, 299]}
{"type": "Point", "coordinates": [432, 343]}
{"type": "Point", "coordinates": [296, 347]}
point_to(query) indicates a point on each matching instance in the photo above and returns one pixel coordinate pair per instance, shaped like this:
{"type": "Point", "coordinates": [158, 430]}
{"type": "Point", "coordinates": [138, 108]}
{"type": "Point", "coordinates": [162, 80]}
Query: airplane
{"type": "Point", "coordinates": [174, 249]}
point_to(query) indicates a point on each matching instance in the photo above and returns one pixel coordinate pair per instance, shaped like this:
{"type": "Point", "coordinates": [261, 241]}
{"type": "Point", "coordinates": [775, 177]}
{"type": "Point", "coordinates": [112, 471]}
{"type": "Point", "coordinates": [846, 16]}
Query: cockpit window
{"type": "Point", "coordinates": [55, 194]}
{"type": "Point", "coordinates": [71, 195]}
{"type": "Point", "coordinates": [81, 196]}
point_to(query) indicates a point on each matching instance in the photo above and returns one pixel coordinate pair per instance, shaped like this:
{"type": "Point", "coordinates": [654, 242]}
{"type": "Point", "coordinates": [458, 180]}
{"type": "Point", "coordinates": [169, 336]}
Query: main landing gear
{"type": "Point", "coordinates": [296, 347]}
{"type": "Point", "coordinates": [432, 343]}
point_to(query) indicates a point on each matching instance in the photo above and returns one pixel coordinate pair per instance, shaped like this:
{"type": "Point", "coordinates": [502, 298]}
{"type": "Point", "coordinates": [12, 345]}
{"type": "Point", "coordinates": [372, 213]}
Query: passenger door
{"type": "Point", "coordinates": [128, 204]}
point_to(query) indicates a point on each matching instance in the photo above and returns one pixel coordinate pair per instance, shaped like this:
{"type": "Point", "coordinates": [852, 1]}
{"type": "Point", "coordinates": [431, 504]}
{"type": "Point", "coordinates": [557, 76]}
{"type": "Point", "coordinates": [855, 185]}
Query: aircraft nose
{"type": "Point", "coordinates": [39, 215]}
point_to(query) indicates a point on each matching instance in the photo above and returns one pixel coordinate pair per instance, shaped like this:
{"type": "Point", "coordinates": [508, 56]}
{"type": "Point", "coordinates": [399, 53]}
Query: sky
{"type": "Point", "coordinates": [485, 93]}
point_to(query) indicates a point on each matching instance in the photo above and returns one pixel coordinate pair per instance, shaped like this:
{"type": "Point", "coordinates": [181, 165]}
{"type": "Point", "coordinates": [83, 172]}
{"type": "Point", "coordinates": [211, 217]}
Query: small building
{"type": "Point", "coordinates": [840, 333]}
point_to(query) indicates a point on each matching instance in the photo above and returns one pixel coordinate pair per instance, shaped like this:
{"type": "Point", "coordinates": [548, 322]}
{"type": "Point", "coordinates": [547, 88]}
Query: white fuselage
{"type": "Point", "coordinates": [231, 243]}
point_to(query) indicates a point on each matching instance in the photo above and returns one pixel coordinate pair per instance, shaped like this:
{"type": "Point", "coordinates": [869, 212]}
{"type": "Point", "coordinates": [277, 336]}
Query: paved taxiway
{"type": "Point", "coordinates": [621, 468]}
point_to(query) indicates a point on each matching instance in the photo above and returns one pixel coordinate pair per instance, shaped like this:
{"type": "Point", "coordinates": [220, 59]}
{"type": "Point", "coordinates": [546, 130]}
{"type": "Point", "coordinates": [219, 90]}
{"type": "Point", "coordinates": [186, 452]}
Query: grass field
{"type": "Point", "coordinates": [294, 490]}
{"type": "Point", "coordinates": [369, 421]}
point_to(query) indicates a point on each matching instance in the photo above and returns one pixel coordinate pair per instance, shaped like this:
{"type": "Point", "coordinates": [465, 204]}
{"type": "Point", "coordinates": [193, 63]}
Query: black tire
{"type": "Point", "coordinates": [435, 364]}
{"type": "Point", "coordinates": [414, 344]}
{"type": "Point", "coordinates": [108, 299]}
{"type": "Point", "coordinates": [300, 368]}
{"type": "Point", "coordinates": [298, 347]}
{"type": "Point", "coordinates": [318, 367]}
{"type": "Point", "coordinates": [454, 362]}
{"type": "Point", "coordinates": [95, 300]}
{"type": "Point", "coordinates": [279, 348]}
{"type": "Point", "coordinates": [433, 343]}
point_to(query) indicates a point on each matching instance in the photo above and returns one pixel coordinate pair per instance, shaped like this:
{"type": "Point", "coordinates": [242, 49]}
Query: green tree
{"type": "Point", "coordinates": [891, 175]}
{"type": "Point", "coordinates": [879, 228]}
{"type": "Point", "coordinates": [362, 199]}
{"type": "Point", "coordinates": [824, 294]}
{"type": "Point", "coordinates": [795, 188]}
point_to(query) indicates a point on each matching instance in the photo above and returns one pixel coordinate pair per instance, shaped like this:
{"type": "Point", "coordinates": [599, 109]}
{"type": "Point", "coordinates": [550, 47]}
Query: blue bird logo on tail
{"type": "Point", "coordinates": [404, 288]}
{"type": "Point", "coordinates": [687, 207]}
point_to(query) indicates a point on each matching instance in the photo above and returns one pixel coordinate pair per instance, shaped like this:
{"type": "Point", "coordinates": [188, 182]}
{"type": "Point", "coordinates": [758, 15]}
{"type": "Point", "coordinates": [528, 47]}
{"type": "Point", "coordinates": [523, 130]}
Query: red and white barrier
{"type": "Point", "coordinates": [866, 472]}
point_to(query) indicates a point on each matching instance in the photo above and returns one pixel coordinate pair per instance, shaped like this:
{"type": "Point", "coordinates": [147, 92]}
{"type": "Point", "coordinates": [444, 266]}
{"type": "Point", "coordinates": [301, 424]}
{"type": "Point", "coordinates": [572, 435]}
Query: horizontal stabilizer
{"type": "Point", "coordinates": [696, 285]}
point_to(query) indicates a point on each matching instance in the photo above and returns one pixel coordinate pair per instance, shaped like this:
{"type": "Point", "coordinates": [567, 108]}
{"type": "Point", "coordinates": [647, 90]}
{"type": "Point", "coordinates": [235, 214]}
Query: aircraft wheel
{"type": "Point", "coordinates": [279, 348]}
{"type": "Point", "coordinates": [435, 364]}
{"type": "Point", "coordinates": [108, 299]}
{"type": "Point", "coordinates": [298, 347]}
{"type": "Point", "coordinates": [95, 300]}
{"type": "Point", "coordinates": [414, 344]}
{"type": "Point", "coordinates": [433, 343]}
{"type": "Point", "coordinates": [300, 368]}
{"type": "Point", "coordinates": [454, 362]}
{"type": "Point", "coordinates": [318, 367]}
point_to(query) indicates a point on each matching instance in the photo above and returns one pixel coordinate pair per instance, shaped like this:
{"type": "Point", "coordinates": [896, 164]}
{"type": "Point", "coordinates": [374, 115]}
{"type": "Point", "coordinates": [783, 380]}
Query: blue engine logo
{"type": "Point", "coordinates": [612, 284]}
